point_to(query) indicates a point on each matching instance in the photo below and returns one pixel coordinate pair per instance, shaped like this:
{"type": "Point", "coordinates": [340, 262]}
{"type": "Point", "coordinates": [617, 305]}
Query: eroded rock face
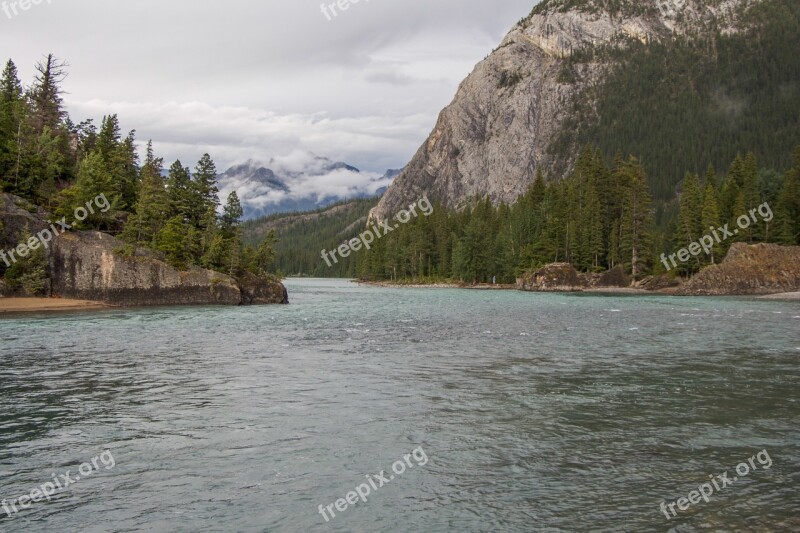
{"type": "Point", "coordinates": [87, 266]}
{"type": "Point", "coordinates": [490, 141]}
{"type": "Point", "coordinates": [749, 270]}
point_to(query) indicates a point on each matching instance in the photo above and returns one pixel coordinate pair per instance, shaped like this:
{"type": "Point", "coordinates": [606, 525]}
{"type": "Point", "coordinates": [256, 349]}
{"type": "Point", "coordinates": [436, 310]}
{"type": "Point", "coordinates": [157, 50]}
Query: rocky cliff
{"type": "Point", "coordinates": [494, 136]}
{"type": "Point", "coordinates": [89, 265]}
{"type": "Point", "coordinates": [749, 270]}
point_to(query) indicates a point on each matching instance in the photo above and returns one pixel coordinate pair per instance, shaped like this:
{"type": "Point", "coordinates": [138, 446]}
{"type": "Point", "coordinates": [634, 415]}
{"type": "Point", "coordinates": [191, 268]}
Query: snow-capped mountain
{"type": "Point", "coordinates": [300, 181]}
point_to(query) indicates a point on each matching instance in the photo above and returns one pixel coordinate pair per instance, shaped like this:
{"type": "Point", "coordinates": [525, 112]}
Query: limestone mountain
{"type": "Point", "coordinates": [681, 84]}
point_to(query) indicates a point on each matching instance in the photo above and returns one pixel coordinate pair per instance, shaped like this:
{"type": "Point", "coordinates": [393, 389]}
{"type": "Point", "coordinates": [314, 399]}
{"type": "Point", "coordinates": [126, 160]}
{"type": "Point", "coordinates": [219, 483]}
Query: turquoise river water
{"type": "Point", "coordinates": [476, 410]}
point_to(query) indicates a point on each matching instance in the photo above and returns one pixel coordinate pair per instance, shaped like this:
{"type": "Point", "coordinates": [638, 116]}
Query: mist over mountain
{"type": "Point", "coordinates": [300, 181]}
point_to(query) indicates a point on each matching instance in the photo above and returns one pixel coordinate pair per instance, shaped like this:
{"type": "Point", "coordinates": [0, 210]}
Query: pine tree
{"type": "Point", "coordinates": [176, 240]}
{"type": "Point", "coordinates": [152, 208]}
{"type": "Point", "coordinates": [12, 107]}
{"type": "Point", "coordinates": [181, 191]}
{"type": "Point", "coordinates": [231, 215]}
{"type": "Point", "coordinates": [787, 223]}
{"type": "Point", "coordinates": [93, 181]}
{"type": "Point", "coordinates": [637, 218]}
{"type": "Point", "coordinates": [264, 256]}
{"type": "Point", "coordinates": [205, 183]}
{"type": "Point", "coordinates": [691, 209]}
{"type": "Point", "coordinates": [711, 220]}
{"type": "Point", "coordinates": [46, 94]}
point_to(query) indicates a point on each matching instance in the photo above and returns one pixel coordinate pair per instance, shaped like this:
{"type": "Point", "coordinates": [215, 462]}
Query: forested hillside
{"type": "Point", "coordinates": [300, 238]}
{"type": "Point", "coordinates": [690, 101]}
{"type": "Point", "coordinates": [599, 217]}
{"type": "Point", "coordinates": [54, 163]}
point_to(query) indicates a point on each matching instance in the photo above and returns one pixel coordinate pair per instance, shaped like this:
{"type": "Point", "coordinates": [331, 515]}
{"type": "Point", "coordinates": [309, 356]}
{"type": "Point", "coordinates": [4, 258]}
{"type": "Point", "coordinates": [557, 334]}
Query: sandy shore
{"type": "Point", "coordinates": [618, 290]}
{"type": "Point", "coordinates": [482, 287]}
{"type": "Point", "coordinates": [36, 305]}
{"type": "Point", "coordinates": [782, 296]}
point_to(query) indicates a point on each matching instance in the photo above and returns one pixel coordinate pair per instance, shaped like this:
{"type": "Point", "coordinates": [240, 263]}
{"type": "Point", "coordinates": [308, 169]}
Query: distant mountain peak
{"type": "Point", "coordinates": [299, 181]}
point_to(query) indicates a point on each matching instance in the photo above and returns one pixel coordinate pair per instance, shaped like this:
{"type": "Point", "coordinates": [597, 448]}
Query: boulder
{"type": "Point", "coordinates": [614, 278]}
{"type": "Point", "coordinates": [260, 290]}
{"type": "Point", "coordinates": [555, 277]}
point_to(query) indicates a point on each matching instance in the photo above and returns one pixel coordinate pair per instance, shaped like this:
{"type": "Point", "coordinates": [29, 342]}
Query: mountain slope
{"type": "Point", "coordinates": [556, 82]}
{"type": "Point", "coordinates": [303, 236]}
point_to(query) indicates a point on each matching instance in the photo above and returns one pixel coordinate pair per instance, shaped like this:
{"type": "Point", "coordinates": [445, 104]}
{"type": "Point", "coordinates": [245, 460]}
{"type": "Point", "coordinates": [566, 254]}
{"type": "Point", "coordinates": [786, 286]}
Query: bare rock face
{"type": "Point", "coordinates": [87, 266]}
{"type": "Point", "coordinates": [749, 270]}
{"type": "Point", "coordinates": [556, 277]}
{"type": "Point", "coordinates": [491, 140]}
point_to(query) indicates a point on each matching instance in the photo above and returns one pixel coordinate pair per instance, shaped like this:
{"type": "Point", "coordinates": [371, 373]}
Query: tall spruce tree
{"type": "Point", "coordinates": [637, 218]}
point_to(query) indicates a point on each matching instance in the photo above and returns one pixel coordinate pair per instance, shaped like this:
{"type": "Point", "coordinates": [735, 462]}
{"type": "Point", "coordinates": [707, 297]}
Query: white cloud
{"type": "Point", "coordinates": [244, 79]}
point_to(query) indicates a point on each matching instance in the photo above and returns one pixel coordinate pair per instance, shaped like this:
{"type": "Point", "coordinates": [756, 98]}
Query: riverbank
{"type": "Point", "coordinates": [401, 285]}
{"type": "Point", "coordinates": [40, 305]}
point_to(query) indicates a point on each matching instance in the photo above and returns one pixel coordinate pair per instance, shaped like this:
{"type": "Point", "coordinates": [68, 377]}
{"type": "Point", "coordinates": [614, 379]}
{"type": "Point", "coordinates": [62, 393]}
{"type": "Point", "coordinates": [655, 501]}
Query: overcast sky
{"type": "Point", "coordinates": [263, 78]}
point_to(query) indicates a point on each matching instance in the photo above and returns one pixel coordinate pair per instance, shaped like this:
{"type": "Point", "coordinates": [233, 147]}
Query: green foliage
{"type": "Point", "coordinates": [177, 240]}
{"type": "Point", "coordinates": [28, 274]}
{"type": "Point", "coordinates": [93, 181]}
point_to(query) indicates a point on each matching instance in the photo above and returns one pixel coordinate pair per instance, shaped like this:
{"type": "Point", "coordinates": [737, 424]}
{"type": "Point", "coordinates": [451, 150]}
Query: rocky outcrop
{"type": "Point", "coordinates": [563, 277]}
{"type": "Point", "coordinates": [494, 136]}
{"type": "Point", "coordinates": [89, 265]}
{"type": "Point", "coordinates": [749, 270]}
{"type": "Point", "coordinates": [556, 277]}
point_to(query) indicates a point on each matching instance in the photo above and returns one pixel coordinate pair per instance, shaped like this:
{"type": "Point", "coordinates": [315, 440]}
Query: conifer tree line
{"type": "Point", "coordinates": [59, 165]}
{"type": "Point", "coordinates": [599, 217]}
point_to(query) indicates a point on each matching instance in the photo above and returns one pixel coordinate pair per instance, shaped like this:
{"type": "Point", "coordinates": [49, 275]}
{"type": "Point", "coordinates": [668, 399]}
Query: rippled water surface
{"type": "Point", "coordinates": [536, 412]}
